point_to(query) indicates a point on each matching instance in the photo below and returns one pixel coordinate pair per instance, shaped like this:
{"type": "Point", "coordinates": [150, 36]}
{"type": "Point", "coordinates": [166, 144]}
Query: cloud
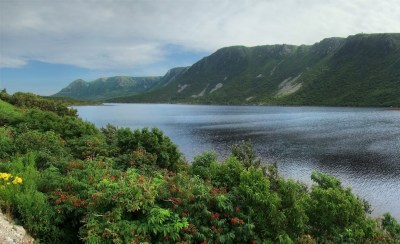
{"type": "Point", "coordinates": [117, 34]}
{"type": "Point", "coordinates": [9, 62]}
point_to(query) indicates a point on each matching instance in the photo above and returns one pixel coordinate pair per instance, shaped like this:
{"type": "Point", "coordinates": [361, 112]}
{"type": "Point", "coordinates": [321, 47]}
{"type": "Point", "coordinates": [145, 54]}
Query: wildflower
{"type": "Point", "coordinates": [17, 180]}
{"type": "Point", "coordinates": [5, 176]}
{"type": "Point", "coordinates": [215, 216]}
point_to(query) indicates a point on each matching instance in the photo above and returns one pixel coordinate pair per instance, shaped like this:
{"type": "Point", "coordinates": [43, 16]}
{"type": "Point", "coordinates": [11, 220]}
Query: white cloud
{"type": "Point", "coordinates": [120, 33]}
{"type": "Point", "coordinates": [9, 62]}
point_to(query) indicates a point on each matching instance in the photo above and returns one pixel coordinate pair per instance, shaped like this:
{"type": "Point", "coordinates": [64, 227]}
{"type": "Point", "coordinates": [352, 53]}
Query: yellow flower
{"type": "Point", "coordinates": [17, 180]}
{"type": "Point", "coordinates": [5, 176]}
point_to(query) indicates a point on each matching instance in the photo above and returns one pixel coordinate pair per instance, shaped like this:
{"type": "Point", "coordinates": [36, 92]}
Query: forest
{"type": "Point", "coordinates": [67, 181]}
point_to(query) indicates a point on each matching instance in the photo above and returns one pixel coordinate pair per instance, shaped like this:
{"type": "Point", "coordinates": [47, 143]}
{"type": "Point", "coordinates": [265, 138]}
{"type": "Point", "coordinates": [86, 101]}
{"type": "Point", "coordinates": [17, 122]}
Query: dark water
{"type": "Point", "coordinates": [360, 146]}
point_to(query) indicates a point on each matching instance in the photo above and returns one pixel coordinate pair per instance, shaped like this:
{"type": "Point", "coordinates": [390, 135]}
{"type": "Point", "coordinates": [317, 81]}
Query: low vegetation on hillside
{"type": "Point", "coordinates": [360, 70]}
{"type": "Point", "coordinates": [109, 87]}
{"type": "Point", "coordinates": [67, 181]}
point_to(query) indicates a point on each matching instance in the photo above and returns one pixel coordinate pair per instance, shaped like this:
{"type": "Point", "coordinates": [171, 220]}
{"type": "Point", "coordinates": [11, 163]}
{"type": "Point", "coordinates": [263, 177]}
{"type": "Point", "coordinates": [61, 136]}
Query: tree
{"type": "Point", "coordinates": [335, 213]}
{"type": "Point", "coordinates": [244, 151]}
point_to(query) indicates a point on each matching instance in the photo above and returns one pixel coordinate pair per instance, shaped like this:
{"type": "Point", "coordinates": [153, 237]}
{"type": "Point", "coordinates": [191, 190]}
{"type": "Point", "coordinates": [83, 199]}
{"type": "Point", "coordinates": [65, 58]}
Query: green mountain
{"type": "Point", "coordinates": [104, 88]}
{"type": "Point", "coordinates": [360, 70]}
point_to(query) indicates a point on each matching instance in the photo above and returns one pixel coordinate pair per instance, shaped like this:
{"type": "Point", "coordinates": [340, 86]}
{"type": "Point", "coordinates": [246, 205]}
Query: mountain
{"type": "Point", "coordinates": [104, 88]}
{"type": "Point", "coordinates": [360, 70]}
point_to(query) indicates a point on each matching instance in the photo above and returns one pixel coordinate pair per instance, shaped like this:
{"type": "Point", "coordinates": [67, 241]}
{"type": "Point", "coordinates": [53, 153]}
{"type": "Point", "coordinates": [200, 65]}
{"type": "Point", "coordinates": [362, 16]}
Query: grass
{"type": "Point", "coordinates": [7, 111]}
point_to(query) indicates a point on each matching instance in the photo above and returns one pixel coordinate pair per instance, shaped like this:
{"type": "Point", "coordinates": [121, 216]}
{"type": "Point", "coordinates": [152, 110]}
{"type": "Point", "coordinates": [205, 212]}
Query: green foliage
{"type": "Point", "coordinates": [29, 100]}
{"type": "Point", "coordinates": [334, 210]}
{"type": "Point", "coordinates": [227, 174]}
{"type": "Point", "coordinates": [261, 204]}
{"type": "Point", "coordinates": [28, 204]}
{"type": "Point", "coordinates": [8, 113]}
{"type": "Point", "coordinates": [6, 142]}
{"type": "Point", "coordinates": [89, 146]}
{"type": "Point", "coordinates": [201, 164]}
{"type": "Point", "coordinates": [244, 151]}
{"type": "Point", "coordinates": [154, 142]}
{"type": "Point", "coordinates": [68, 127]}
{"type": "Point", "coordinates": [81, 184]}
{"type": "Point", "coordinates": [293, 199]}
{"type": "Point", "coordinates": [49, 147]}
{"type": "Point", "coordinates": [390, 224]}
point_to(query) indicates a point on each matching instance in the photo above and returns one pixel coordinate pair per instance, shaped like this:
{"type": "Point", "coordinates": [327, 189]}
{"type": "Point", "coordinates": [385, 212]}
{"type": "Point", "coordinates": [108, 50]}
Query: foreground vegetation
{"type": "Point", "coordinates": [66, 181]}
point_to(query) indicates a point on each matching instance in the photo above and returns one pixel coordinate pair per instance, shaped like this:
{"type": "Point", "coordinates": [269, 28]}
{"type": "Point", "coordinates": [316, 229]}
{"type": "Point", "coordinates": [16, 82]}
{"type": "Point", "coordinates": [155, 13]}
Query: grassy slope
{"type": "Point", "coordinates": [8, 111]}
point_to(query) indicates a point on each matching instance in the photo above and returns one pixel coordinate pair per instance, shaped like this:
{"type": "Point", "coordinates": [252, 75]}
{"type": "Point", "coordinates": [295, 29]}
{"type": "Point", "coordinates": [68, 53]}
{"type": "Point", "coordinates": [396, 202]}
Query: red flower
{"type": "Point", "coordinates": [236, 220]}
{"type": "Point", "coordinates": [215, 216]}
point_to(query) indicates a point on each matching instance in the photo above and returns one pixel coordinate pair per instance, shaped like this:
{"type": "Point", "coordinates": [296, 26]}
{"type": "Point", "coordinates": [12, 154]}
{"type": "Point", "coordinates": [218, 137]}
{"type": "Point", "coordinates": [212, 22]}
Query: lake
{"type": "Point", "coordinates": [360, 146]}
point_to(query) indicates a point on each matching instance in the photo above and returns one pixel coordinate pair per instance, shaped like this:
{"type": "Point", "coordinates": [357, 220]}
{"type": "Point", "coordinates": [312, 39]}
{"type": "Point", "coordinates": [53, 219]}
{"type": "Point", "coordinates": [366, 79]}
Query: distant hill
{"type": "Point", "coordinates": [104, 88]}
{"type": "Point", "coordinates": [360, 70]}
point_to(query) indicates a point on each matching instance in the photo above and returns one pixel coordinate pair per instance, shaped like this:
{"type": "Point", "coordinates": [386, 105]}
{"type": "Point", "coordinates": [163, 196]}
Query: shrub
{"type": "Point", "coordinates": [334, 212]}
{"type": "Point", "coordinates": [154, 142]}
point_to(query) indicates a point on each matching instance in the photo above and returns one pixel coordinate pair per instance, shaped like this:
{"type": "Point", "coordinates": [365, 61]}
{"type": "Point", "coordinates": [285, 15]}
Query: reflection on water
{"type": "Point", "coordinates": [360, 146]}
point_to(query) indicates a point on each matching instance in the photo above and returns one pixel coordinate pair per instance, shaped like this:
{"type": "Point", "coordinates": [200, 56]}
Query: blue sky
{"type": "Point", "coordinates": [46, 44]}
{"type": "Point", "coordinates": [48, 78]}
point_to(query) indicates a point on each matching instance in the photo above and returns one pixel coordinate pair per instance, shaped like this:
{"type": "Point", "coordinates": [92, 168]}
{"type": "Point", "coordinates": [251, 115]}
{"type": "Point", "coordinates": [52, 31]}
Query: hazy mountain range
{"type": "Point", "coordinates": [360, 70]}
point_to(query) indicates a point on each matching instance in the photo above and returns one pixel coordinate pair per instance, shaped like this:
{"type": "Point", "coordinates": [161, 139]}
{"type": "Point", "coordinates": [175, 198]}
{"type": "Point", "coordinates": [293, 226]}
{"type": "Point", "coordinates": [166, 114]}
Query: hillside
{"type": "Point", "coordinates": [103, 88]}
{"type": "Point", "coordinates": [360, 70]}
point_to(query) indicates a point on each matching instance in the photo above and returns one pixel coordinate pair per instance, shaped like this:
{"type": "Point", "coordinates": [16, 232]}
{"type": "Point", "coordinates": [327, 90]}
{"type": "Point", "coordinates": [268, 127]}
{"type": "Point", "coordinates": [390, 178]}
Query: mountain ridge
{"type": "Point", "coordinates": [107, 87]}
{"type": "Point", "coordinates": [360, 70]}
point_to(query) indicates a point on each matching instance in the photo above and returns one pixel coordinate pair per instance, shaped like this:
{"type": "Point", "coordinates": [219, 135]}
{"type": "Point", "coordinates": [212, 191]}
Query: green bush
{"type": "Point", "coordinates": [334, 212]}
{"type": "Point", "coordinates": [81, 184]}
{"type": "Point", "coordinates": [154, 142]}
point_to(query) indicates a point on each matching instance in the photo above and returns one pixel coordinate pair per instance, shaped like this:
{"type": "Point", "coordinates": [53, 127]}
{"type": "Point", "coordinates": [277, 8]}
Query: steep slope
{"type": "Point", "coordinates": [170, 76]}
{"type": "Point", "coordinates": [104, 88]}
{"type": "Point", "coordinates": [363, 69]}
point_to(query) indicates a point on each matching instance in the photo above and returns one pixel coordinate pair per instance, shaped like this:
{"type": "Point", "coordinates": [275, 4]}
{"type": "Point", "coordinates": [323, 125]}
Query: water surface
{"type": "Point", "coordinates": [360, 146]}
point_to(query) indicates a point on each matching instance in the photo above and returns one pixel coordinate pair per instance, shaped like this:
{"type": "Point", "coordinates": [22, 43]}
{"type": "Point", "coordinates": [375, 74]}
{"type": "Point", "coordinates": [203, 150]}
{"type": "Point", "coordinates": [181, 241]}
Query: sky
{"type": "Point", "coordinates": [46, 44]}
